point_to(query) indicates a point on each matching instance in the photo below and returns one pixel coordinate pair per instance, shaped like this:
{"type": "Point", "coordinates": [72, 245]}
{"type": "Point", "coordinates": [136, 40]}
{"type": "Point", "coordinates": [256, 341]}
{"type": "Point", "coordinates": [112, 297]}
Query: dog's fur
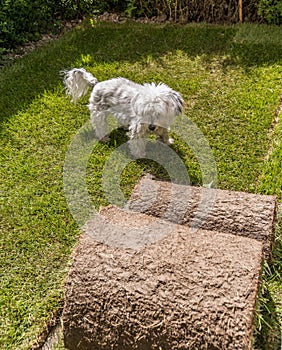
{"type": "Point", "coordinates": [143, 109]}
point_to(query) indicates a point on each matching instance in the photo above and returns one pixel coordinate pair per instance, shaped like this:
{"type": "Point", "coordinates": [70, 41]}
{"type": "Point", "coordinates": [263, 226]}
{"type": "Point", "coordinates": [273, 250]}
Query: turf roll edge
{"type": "Point", "coordinates": [239, 213]}
{"type": "Point", "coordinates": [140, 282]}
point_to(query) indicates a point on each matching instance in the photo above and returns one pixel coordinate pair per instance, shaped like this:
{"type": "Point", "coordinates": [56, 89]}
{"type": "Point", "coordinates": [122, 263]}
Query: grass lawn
{"type": "Point", "coordinates": [230, 77]}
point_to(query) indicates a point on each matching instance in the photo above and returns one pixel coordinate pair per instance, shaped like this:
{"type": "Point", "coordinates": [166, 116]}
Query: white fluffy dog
{"type": "Point", "coordinates": [142, 109]}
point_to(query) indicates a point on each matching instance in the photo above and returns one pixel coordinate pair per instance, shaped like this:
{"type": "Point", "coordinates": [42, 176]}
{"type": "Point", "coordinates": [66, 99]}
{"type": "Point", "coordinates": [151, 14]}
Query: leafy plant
{"type": "Point", "coordinates": [25, 20]}
{"type": "Point", "coordinates": [270, 11]}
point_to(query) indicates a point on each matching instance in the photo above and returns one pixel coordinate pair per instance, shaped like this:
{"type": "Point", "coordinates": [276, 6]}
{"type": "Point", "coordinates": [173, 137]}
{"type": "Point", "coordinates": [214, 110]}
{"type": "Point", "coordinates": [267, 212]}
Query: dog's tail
{"type": "Point", "coordinates": [77, 81]}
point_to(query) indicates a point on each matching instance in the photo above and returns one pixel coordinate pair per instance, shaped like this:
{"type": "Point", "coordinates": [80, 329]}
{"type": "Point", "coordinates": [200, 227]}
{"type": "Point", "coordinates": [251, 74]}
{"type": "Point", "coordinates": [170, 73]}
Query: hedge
{"type": "Point", "coordinates": [25, 20]}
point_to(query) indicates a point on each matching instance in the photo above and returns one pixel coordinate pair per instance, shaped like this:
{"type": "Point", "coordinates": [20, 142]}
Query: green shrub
{"type": "Point", "coordinates": [271, 11]}
{"type": "Point", "coordinates": [25, 20]}
{"type": "Point", "coordinates": [22, 20]}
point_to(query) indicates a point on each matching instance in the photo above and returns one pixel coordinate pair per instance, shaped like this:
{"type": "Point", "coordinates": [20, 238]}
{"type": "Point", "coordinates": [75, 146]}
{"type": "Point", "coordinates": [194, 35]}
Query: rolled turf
{"type": "Point", "coordinates": [239, 213]}
{"type": "Point", "coordinates": [172, 288]}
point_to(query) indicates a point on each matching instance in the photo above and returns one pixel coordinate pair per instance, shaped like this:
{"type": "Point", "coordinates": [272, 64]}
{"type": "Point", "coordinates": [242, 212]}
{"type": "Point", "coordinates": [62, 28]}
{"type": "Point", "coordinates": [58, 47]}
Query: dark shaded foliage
{"type": "Point", "coordinates": [25, 20]}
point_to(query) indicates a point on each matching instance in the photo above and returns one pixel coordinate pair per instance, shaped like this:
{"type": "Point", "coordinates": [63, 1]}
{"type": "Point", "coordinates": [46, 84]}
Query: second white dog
{"type": "Point", "coordinates": [143, 109]}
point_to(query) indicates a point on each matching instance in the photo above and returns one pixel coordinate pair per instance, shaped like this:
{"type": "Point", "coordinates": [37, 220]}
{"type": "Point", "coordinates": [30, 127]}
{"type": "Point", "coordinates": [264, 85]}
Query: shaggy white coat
{"type": "Point", "coordinates": [142, 109]}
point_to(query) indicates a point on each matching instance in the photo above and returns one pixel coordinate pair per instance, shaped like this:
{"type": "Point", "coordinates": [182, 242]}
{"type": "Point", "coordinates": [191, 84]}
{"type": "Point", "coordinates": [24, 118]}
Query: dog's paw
{"type": "Point", "coordinates": [170, 141]}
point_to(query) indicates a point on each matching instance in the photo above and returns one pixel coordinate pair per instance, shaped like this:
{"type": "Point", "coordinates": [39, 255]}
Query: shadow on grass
{"type": "Point", "coordinates": [30, 76]}
{"type": "Point", "coordinates": [163, 162]}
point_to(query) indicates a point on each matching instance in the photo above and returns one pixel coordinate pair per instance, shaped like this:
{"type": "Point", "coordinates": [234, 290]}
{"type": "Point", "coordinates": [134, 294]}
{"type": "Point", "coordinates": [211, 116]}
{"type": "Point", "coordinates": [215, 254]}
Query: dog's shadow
{"type": "Point", "coordinates": [161, 160]}
{"type": "Point", "coordinates": [118, 137]}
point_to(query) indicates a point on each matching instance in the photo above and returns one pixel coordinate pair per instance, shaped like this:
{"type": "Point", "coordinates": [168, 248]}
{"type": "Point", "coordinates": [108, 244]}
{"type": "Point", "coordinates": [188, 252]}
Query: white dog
{"type": "Point", "coordinates": [142, 109]}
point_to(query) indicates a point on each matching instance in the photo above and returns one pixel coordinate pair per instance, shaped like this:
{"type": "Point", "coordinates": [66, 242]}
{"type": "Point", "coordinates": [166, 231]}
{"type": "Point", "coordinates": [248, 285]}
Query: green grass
{"type": "Point", "coordinates": [230, 77]}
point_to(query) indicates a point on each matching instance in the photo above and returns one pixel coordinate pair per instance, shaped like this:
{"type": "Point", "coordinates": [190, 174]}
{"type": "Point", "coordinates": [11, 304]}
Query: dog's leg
{"type": "Point", "coordinates": [137, 143]}
{"type": "Point", "coordinates": [137, 147]}
{"type": "Point", "coordinates": [163, 136]}
{"type": "Point", "coordinates": [99, 122]}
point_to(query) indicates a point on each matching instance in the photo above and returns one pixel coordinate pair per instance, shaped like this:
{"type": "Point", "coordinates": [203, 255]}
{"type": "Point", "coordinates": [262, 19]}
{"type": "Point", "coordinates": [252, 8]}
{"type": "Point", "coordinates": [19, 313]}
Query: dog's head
{"type": "Point", "coordinates": [156, 106]}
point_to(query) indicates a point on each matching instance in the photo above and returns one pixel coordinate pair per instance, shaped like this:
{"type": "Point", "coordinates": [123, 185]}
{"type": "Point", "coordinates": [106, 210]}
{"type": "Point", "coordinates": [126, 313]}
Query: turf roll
{"type": "Point", "coordinates": [141, 282]}
{"type": "Point", "coordinates": [238, 213]}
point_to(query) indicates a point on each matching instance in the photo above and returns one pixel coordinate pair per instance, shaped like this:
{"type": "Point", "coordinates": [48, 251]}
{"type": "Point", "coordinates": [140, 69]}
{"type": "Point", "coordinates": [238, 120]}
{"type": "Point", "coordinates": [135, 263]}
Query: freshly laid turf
{"type": "Point", "coordinates": [230, 77]}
